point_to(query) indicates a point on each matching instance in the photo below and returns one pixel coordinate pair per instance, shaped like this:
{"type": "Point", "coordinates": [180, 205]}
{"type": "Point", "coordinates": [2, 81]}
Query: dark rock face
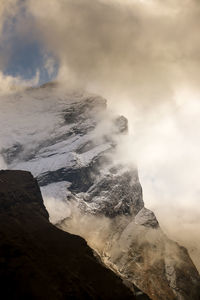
{"type": "Point", "coordinates": [83, 111]}
{"type": "Point", "coordinates": [38, 260]}
{"type": "Point", "coordinates": [116, 195]}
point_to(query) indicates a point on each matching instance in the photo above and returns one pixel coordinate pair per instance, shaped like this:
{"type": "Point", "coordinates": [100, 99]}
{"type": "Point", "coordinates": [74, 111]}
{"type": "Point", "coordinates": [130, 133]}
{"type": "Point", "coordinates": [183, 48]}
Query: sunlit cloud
{"type": "Point", "coordinates": [143, 56]}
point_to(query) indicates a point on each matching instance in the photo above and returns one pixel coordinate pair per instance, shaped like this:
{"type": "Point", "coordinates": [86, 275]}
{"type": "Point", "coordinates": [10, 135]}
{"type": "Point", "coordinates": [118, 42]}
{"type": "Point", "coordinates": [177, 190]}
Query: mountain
{"type": "Point", "coordinates": [38, 260]}
{"type": "Point", "coordinates": [70, 141]}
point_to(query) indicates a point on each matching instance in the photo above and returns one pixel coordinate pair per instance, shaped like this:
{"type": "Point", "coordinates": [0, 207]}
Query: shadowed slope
{"type": "Point", "coordinates": [39, 261]}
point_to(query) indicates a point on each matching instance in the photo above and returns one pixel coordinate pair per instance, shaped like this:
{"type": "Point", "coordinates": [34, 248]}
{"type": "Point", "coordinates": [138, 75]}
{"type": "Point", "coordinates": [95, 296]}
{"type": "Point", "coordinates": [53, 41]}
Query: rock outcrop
{"type": "Point", "coordinates": [70, 145]}
{"type": "Point", "coordinates": [38, 260]}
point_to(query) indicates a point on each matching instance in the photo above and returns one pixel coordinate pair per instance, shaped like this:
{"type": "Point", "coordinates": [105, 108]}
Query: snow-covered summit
{"type": "Point", "coordinates": [68, 140]}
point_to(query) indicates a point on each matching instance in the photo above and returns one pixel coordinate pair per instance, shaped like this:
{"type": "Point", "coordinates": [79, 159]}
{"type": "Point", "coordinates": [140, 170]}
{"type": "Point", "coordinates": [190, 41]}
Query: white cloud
{"type": "Point", "coordinates": [9, 84]}
{"type": "Point", "coordinates": [143, 57]}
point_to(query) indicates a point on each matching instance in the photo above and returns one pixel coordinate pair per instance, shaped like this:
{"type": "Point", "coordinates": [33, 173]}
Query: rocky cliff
{"type": "Point", "coordinates": [38, 260]}
{"type": "Point", "coordinates": [70, 144]}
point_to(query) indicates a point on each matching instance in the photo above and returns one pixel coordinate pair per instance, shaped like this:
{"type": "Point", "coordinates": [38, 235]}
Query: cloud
{"type": "Point", "coordinates": [144, 57]}
{"type": "Point", "coordinates": [136, 49]}
{"type": "Point", "coordinates": [140, 50]}
{"type": "Point", "coordinates": [9, 84]}
{"type": "Point", "coordinates": [164, 143]}
{"type": "Point", "coordinates": [7, 8]}
{"type": "Point", "coordinates": [22, 55]}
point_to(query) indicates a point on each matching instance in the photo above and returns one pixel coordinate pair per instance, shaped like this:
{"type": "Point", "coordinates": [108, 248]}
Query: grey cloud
{"type": "Point", "coordinates": [138, 54]}
{"type": "Point", "coordinates": [144, 48]}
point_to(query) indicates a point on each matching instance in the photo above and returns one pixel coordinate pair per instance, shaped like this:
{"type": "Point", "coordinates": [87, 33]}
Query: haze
{"type": "Point", "coordinates": [143, 56]}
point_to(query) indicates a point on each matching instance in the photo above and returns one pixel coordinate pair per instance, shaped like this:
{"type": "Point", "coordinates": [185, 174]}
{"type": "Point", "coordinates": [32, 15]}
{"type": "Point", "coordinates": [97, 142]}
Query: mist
{"type": "Point", "coordinates": [143, 56]}
{"type": "Point", "coordinates": [166, 149]}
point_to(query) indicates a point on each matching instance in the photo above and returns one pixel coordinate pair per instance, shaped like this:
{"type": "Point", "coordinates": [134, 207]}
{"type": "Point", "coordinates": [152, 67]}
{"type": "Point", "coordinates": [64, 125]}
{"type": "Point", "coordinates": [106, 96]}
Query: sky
{"type": "Point", "coordinates": [22, 55]}
{"type": "Point", "coordinates": [144, 57]}
{"type": "Point", "coordinates": [143, 46]}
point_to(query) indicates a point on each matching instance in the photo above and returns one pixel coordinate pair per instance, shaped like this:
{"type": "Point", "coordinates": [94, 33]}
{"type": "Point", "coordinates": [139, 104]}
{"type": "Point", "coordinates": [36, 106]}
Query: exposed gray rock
{"type": "Point", "coordinates": [146, 218]}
